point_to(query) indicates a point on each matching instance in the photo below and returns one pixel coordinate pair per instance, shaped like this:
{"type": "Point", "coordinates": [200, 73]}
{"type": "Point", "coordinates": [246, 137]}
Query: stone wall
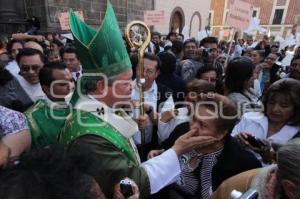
{"type": "Point", "coordinates": [94, 11]}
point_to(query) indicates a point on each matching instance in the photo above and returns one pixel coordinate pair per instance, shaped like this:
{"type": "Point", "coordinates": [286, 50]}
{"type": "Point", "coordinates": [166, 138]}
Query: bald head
{"type": "Point", "coordinates": [34, 45]}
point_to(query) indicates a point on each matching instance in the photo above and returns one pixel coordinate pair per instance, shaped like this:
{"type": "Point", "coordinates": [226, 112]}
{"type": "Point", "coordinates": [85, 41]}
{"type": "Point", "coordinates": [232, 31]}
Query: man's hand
{"type": "Point", "coordinates": [142, 121]}
{"type": "Point", "coordinates": [119, 195]}
{"type": "Point", "coordinates": [154, 153]}
{"type": "Point", "coordinates": [168, 115]}
{"type": "Point", "coordinates": [190, 141]}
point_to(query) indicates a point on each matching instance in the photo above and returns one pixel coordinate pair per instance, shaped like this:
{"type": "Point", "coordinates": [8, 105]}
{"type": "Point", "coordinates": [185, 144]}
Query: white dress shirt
{"type": "Point", "coordinates": [77, 74]}
{"type": "Point", "coordinates": [166, 128]}
{"type": "Point", "coordinates": [256, 124]}
{"type": "Point", "coordinates": [150, 97]}
{"type": "Point", "coordinates": [13, 67]}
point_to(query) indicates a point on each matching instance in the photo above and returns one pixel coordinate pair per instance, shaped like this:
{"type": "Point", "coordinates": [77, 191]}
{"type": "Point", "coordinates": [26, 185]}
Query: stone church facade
{"type": "Point", "coordinates": [13, 13]}
{"type": "Point", "coordinates": [178, 14]}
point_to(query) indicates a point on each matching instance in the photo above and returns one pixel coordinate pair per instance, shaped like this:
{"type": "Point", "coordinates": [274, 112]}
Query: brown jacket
{"type": "Point", "coordinates": [240, 182]}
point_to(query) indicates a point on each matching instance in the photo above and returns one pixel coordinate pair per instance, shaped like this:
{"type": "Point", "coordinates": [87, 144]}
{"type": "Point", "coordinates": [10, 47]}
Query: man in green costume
{"type": "Point", "coordinates": [47, 116]}
{"type": "Point", "coordinates": [99, 127]}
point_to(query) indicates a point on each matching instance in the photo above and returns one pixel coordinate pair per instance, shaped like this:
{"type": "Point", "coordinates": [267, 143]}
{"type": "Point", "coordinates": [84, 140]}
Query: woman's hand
{"type": "Point", "coordinates": [262, 147]}
{"type": "Point", "coordinates": [245, 140]}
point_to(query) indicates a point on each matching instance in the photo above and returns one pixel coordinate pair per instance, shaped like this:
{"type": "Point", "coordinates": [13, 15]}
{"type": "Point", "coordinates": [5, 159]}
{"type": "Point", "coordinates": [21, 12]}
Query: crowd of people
{"type": "Point", "coordinates": [216, 119]}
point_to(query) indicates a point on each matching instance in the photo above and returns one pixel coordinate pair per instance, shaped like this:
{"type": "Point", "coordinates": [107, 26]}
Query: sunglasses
{"type": "Point", "coordinates": [27, 68]}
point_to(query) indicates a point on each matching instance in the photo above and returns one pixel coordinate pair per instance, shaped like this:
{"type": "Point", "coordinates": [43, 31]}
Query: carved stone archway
{"type": "Point", "coordinates": [177, 20]}
{"type": "Point", "coordinates": [196, 14]}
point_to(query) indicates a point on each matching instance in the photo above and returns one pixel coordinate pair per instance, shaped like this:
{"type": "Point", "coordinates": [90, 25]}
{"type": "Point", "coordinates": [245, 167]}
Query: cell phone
{"type": "Point", "coordinates": [126, 188]}
{"type": "Point", "coordinates": [255, 141]}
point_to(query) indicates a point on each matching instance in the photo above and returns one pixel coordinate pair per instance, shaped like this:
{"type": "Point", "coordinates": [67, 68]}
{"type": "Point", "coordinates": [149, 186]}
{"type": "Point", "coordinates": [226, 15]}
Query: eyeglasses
{"type": "Point", "coordinates": [27, 68]}
{"type": "Point", "coordinates": [16, 50]}
{"type": "Point", "coordinates": [149, 72]}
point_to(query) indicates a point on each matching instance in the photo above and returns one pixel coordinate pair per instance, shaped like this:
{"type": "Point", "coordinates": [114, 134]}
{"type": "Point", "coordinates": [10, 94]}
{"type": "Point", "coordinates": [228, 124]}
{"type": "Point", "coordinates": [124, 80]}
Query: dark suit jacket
{"type": "Point", "coordinates": [175, 83]}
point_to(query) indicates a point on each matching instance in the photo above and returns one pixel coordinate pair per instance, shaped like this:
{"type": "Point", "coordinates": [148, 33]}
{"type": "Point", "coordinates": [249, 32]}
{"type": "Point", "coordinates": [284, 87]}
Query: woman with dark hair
{"type": "Point", "coordinates": [167, 75]}
{"type": "Point", "coordinates": [280, 121]}
{"type": "Point", "coordinates": [56, 45]}
{"type": "Point", "coordinates": [204, 168]}
{"type": "Point", "coordinates": [238, 81]}
{"type": "Point", "coordinates": [176, 123]}
{"type": "Point", "coordinates": [208, 73]}
{"type": "Point", "coordinates": [13, 47]}
{"type": "Point", "coordinates": [257, 57]}
{"type": "Point", "coordinates": [172, 36]}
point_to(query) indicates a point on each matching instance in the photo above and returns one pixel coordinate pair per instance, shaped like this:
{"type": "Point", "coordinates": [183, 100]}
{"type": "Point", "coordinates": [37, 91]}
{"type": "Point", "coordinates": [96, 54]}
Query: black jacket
{"type": "Point", "coordinates": [233, 160]}
{"type": "Point", "coordinates": [176, 133]}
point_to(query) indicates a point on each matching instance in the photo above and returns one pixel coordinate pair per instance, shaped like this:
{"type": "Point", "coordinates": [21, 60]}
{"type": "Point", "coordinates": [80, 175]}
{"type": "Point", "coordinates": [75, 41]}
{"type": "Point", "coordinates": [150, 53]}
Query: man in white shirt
{"type": "Point", "coordinates": [70, 58]}
{"type": "Point", "coordinates": [30, 61]}
{"type": "Point", "coordinates": [155, 96]}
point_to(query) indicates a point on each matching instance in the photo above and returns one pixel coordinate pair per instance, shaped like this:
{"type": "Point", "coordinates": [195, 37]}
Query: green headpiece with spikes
{"type": "Point", "coordinates": [100, 51]}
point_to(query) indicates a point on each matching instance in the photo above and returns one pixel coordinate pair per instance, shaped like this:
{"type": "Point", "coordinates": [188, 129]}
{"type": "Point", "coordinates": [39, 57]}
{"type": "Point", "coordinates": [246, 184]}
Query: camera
{"type": "Point", "coordinates": [126, 188]}
{"type": "Point", "coordinates": [205, 52]}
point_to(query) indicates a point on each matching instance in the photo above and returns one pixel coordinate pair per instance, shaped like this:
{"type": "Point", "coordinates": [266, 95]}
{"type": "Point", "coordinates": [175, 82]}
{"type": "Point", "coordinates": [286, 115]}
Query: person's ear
{"type": "Point", "coordinates": [289, 188]}
{"type": "Point", "coordinates": [100, 86]}
{"type": "Point", "coordinates": [46, 89]}
{"type": "Point", "coordinates": [157, 73]}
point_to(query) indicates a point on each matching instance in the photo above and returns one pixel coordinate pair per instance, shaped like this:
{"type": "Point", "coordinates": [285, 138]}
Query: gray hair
{"type": "Point", "coordinates": [91, 83]}
{"type": "Point", "coordinates": [288, 159]}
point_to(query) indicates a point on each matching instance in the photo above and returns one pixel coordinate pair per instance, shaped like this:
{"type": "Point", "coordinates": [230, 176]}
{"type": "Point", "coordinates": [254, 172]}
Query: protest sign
{"type": "Point", "coordinates": [239, 14]}
{"type": "Point", "coordinates": [64, 19]}
{"type": "Point", "coordinates": [154, 17]}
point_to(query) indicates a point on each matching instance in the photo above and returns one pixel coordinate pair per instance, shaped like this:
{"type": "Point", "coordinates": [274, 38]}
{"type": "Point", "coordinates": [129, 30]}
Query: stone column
{"type": "Point", "coordinates": [8, 10]}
